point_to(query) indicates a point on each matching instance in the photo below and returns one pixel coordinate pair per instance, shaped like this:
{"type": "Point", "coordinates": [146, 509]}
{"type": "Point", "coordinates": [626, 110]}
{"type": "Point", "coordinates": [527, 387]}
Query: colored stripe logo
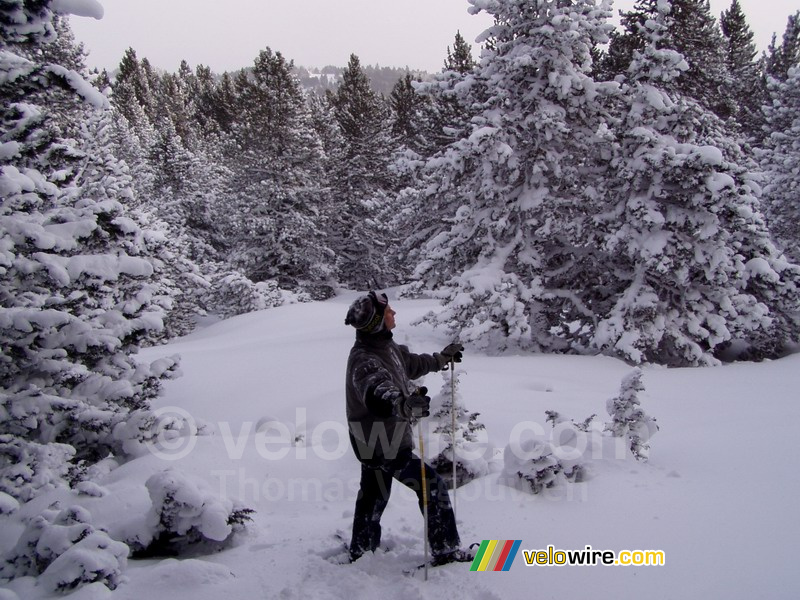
{"type": "Point", "coordinates": [495, 555]}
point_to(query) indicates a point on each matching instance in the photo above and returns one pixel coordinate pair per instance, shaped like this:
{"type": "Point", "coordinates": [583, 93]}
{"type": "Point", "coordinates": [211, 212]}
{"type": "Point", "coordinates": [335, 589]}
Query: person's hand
{"type": "Point", "coordinates": [418, 404]}
{"type": "Point", "coordinates": [451, 352]}
{"type": "Point", "coordinates": [384, 400]}
{"type": "Point", "coordinates": [388, 393]}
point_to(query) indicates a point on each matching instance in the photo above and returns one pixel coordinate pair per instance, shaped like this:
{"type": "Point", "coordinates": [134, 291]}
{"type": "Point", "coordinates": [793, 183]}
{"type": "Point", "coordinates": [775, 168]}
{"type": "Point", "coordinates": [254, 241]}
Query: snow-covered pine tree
{"type": "Point", "coordinates": [133, 95]}
{"type": "Point", "coordinates": [746, 82]}
{"type": "Point", "coordinates": [535, 465]}
{"type": "Point", "coordinates": [410, 110]}
{"type": "Point", "coordinates": [693, 32]}
{"type": "Point", "coordinates": [277, 187]}
{"type": "Point", "coordinates": [207, 114]}
{"type": "Point", "coordinates": [623, 42]}
{"type": "Point", "coordinates": [517, 258]}
{"type": "Point", "coordinates": [627, 417]}
{"type": "Point", "coordinates": [175, 97]}
{"type": "Point", "coordinates": [446, 114]}
{"type": "Point", "coordinates": [780, 161]}
{"type": "Point", "coordinates": [186, 191]}
{"type": "Point", "coordinates": [459, 58]}
{"type": "Point", "coordinates": [469, 465]}
{"type": "Point", "coordinates": [786, 55]}
{"type": "Point", "coordinates": [330, 134]}
{"type": "Point", "coordinates": [176, 254]}
{"type": "Point", "coordinates": [359, 230]}
{"type": "Point", "coordinates": [443, 117]}
{"type": "Point", "coordinates": [406, 108]}
{"type": "Point", "coordinates": [77, 291]}
{"type": "Point", "coordinates": [687, 245]}
{"type": "Point", "coordinates": [225, 102]}
{"type": "Point", "coordinates": [65, 50]}
{"type": "Point", "coordinates": [180, 179]}
{"type": "Point", "coordinates": [697, 36]}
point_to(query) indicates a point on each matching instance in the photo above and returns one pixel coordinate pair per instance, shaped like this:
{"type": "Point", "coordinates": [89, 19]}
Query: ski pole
{"type": "Point", "coordinates": [424, 497]}
{"type": "Point", "coordinates": [453, 424]}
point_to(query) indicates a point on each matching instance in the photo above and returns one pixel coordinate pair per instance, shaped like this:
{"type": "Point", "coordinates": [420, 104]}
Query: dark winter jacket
{"type": "Point", "coordinates": [380, 428]}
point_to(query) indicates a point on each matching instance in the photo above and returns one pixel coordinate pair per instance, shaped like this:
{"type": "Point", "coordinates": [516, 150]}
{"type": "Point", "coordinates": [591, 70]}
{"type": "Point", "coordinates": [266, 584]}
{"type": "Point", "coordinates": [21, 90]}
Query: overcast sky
{"type": "Point", "coordinates": [228, 35]}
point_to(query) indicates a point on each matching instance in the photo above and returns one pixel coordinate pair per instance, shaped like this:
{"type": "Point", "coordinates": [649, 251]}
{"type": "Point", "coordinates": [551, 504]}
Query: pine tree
{"type": "Point", "coordinates": [780, 160]}
{"type": "Point", "coordinates": [132, 88]}
{"type": "Point", "coordinates": [693, 32]}
{"type": "Point", "coordinates": [225, 102]}
{"type": "Point", "coordinates": [327, 128]}
{"type": "Point", "coordinates": [64, 50]}
{"type": "Point", "coordinates": [358, 232]}
{"type": "Point", "coordinates": [443, 116]}
{"type": "Point", "coordinates": [781, 58]}
{"type": "Point", "coordinates": [627, 417]}
{"type": "Point", "coordinates": [176, 98]}
{"type": "Point", "coordinates": [692, 263]}
{"type": "Point", "coordinates": [460, 58]}
{"type": "Point", "coordinates": [447, 113]}
{"type": "Point", "coordinates": [698, 38]}
{"type": "Point", "coordinates": [746, 81]}
{"type": "Point", "coordinates": [278, 182]}
{"type": "Point", "coordinates": [406, 108]}
{"type": "Point", "coordinates": [623, 43]}
{"type": "Point", "coordinates": [470, 462]}
{"type": "Point", "coordinates": [77, 294]}
{"type": "Point", "coordinates": [206, 119]}
{"type": "Point", "coordinates": [524, 183]}
{"type": "Point", "coordinates": [132, 145]}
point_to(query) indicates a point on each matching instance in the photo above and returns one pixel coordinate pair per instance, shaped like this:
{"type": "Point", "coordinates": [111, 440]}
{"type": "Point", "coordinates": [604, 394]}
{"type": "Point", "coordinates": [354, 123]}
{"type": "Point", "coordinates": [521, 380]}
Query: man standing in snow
{"type": "Point", "coordinates": [382, 404]}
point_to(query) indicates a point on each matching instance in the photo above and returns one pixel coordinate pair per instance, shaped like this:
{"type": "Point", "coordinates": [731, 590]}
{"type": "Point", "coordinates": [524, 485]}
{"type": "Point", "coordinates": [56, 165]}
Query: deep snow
{"type": "Point", "coordinates": [718, 494]}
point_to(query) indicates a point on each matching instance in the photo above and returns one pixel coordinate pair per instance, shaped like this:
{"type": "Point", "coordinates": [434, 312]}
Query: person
{"type": "Point", "coordinates": [382, 404]}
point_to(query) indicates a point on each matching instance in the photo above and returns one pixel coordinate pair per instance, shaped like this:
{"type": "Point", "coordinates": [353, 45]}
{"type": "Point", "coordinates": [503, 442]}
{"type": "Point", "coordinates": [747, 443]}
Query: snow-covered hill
{"type": "Point", "coordinates": [718, 495]}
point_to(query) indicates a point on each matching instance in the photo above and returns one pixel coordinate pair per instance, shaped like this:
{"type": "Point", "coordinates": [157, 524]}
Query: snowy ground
{"type": "Point", "coordinates": [718, 495]}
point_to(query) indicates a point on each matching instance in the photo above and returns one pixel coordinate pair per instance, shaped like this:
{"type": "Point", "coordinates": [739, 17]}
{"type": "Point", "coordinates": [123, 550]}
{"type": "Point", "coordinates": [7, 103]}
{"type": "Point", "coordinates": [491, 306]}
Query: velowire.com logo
{"type": "Point", "coordinates": [495, 555]}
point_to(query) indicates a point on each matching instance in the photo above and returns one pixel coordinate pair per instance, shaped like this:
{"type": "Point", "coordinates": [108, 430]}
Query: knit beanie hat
{"type": "Point", "coordinates": [366, 312]}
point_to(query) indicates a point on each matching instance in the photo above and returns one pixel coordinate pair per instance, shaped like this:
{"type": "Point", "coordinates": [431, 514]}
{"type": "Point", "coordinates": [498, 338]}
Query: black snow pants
{"type": "Point", "coordinates": [376, 487]}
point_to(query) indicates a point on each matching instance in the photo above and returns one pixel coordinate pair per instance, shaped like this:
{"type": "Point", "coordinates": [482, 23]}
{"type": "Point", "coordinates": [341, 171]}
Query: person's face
{"type": "Point", "coordinates": [388, 318]}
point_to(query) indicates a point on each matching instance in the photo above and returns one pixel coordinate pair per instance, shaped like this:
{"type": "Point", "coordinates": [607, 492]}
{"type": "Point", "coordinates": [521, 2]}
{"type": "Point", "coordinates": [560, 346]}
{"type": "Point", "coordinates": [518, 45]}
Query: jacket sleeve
{"type": "Point", "coordinates": [418, 365]}
{"type": "Point", "coordinates": [374, 385]}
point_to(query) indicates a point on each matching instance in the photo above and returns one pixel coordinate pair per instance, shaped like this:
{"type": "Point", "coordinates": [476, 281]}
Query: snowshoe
{"type": "Point", "coordinates": [455, 556]}
{"type": "Point", "coordinates": [458, 555]}
{"type": "Point", "coordinates": [340, 553]}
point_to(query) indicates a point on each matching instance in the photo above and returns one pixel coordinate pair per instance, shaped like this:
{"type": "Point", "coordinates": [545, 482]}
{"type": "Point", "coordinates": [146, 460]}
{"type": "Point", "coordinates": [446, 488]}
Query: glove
{"type": "Point", "coordinates": [450, 352]}
{"type": "Point", "coordinates": [384, 400]}
{"type": "Point", "coordinates": [418, 404]}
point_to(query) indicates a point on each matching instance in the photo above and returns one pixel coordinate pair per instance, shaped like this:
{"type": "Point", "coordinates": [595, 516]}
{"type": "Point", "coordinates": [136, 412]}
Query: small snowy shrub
{"type": "Point", "coordinates": [537, 464]}
{"type": "Point", "coordinates": [555, 418]}
{"type": "Point", "coordinates": [531, 466]}
{"type": "Point", "coordinates": [94, 559]}
{"type": "Point", "coordinates": [143, 429]}
{"type": "Point", "coordinates": [234, 294]}
{"type": "Point", "coordinates": [470, 461]}
{"type": "Point", "coordinates": [67, 551]}
{"type": "Point", "coordinates": [28, 468]}
{"type": "Point", "coordinates": [628, 419]}
{"type": "Point", "coordinates": [185, 513]}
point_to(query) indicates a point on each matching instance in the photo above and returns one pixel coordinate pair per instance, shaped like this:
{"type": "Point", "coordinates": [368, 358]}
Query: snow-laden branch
{"type": "Point", "coordinates": [82, 87]}
{"type": "Point", "coordinates": [80, 8]}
